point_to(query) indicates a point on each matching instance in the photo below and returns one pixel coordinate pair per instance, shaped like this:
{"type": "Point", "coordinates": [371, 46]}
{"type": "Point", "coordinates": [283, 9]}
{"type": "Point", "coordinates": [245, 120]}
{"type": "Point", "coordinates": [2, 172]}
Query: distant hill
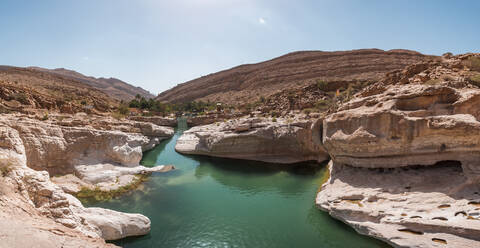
{"type": "Point", "coordinates": [27, 90]}
{"type": "Point", "coordinates": [112, 86]}
{"type": "Point", "coordinates": [246, 83]}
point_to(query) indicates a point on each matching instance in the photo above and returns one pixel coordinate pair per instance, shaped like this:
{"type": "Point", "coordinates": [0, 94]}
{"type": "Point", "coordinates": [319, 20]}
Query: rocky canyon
{"type": "Point", "coordinates": [403, 152]}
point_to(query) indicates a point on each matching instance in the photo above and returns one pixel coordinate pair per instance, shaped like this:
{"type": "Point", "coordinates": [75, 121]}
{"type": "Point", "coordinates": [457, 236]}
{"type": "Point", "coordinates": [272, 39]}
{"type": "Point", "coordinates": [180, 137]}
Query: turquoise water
{"type": "Point", "coordinates": [209, 202]}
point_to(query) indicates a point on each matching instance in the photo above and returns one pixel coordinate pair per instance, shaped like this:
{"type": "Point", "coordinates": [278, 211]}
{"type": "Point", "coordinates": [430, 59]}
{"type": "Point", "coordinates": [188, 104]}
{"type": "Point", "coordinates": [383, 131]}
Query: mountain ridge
{"type": "Point", "coordinates": [115, 87]}
{"type": "Point", "coordinates": [249, 82]}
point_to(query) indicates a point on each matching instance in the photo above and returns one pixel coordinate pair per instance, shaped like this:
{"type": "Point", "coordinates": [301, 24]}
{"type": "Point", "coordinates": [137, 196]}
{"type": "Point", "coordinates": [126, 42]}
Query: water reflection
{"type": "Point", "coordinates": [211, 202]}
{"type": "Point", "coordinates": [250, 177]}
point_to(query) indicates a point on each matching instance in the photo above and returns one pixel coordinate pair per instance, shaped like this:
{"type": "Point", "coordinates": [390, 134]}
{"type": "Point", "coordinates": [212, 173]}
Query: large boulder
{"type": "Point", "coordinates": [279, 141]}
{"type": "Point", "coordinates": [116, 225]}
{"type": "Point", "coordinates": [414, 207]}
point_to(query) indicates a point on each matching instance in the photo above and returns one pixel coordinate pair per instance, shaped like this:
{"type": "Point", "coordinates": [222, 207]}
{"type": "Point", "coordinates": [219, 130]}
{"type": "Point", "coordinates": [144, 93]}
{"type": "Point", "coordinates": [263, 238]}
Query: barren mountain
{"type": "Point", "coordinates": [247, 83]}
{"type": "Point", "coordinates": [26, 90]}
{"type": "Point", "coordinates": [111, 86]}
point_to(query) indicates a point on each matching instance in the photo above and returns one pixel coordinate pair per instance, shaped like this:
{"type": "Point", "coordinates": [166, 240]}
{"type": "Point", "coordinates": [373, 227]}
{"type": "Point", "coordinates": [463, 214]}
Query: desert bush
{"type": "Point", "coordinates": [307, 111]}
{"type": "Point", "coordinates": [274, 119]}
{"type": "Point", "coordinates": [123, 110]}
{"type": "Point", "coordinates": [21, 97]}
{"type": "Point", "coordinates": [348, 93]}
{"type": "Point", "coordinates": [97, 194]}
{"type": "Point", "coordinates": [323, 105]}
{"type": "Point", "coordinates": [45, 117]}
{"type": "Point", "coordinates": [475, 80]}
{"type": "Point", "coordinates": [322, 85]}
{"type": "Point", "coordinates": [5, 169]}
{"type": "Point", "coordinates": [447, 55]}
{"type": "Point", "coordinates": [473, 63]}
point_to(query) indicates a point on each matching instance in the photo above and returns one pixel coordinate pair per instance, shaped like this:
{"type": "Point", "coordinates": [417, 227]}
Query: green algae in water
{"type": "Point", "coordinates": [210, 202]}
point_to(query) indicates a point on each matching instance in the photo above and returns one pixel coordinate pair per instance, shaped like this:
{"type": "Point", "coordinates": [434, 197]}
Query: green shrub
{"type": "Point", "coordinates": [348, 93]}
{"type": "Point", "coordinates": [45, 117]}
{"type": "Point", "coordinates": [473, 63]}
{"type": "Point", "coordinates": [21, 97]}
{"type": "Point", "coordinates": [274, 119]}
{"type": "Point", "coordinates": [4, 170]}
{"type": "Point", "coordinates": [83, 102]}
{"type": "Point", "coordinates": [118, 116]}
{"type": "Point", "coordinates": [323, 105]}
{"type": "Point", "coordinates": [123, 110]}
{"type": "Point", "coordinates": [101, 195]}
{"type": "Point", "coordinates": [322, 85]}
{"type": "Point", "coordinates": [307, 111]}
{"type": "Point", "coordinates": [475, 80]}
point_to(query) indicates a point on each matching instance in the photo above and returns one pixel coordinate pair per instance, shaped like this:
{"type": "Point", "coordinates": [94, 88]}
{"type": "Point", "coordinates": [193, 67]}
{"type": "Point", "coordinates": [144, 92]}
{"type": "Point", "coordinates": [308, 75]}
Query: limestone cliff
{"type": "Point", "coordinates": [30, 149]}
{"type": "Point", "coordinates": [280, 141]}
{"type": "Point", "coordinates": [405, 156]}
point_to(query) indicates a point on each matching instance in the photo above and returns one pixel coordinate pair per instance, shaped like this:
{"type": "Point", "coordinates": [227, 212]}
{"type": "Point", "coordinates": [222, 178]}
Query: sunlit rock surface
{"type": "Point", "coordinates": [279, 140]}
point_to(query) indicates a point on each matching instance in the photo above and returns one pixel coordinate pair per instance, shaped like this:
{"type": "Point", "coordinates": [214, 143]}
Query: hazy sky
{"type": "Point", "coordinates": [157, 44]}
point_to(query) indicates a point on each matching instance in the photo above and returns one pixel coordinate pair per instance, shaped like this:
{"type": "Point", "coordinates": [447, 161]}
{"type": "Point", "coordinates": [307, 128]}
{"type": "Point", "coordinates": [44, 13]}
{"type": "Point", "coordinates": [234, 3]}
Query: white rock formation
{"type": "Point", "coordinates": [406, 157]}
{"type": "Point", "coordinates": [98, 157]}
{"type": "Point", "coordinates": [283, 141]}
{"type": "Point", "coordinates": [406, 207]}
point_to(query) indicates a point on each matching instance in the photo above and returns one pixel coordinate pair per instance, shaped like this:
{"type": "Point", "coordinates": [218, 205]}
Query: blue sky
{"type": "Point", "coordinates": [157, 44]}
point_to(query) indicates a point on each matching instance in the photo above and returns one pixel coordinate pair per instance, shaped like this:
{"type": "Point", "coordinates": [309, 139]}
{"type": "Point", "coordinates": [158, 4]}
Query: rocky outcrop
{"type": "Point", "coordinates": [157, 120]}
{"type": "Point", "coordinates": [116, 225]}
{"type": "Point", "coordinates": [100, 158]}
{"type": "Point", "coordinates": [58, 149]}
{"type": "Point", "coordinates": [276, 141]}
{"type": "Point", "coordinates": [405, 157]}
{"type": "Point", "coordinates": [409, 207]}
{"type": "Point", "coordinates": [409, 124]}
{"type": "Point", "coordinates": [22, 224]}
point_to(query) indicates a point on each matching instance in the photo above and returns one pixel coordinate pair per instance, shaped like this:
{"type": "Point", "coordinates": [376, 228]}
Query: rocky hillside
{"type": "Point", "coordinates": [248, 83]}
{"type": "Point", "coordinates": [111, 86]}
{"type": "Point", "coordinates": [29, 91]}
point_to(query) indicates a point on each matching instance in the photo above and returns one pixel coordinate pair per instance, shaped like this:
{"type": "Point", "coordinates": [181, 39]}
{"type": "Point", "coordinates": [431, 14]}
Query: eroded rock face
{"type": "Point", "coordinates": [46, 200]}
{"type": "Point", "coordinates": [105, 159]}
{"type": "Point", "coordinates": [283, 141]}
{"type": "Point", "coordinates": [406, 207]}
{"type": "Point", "coordinates": [413, 124]}
{"type": "Point", "coordinates": [405, 155]}
{"type": "Point", "coordinates": [58, 149]}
